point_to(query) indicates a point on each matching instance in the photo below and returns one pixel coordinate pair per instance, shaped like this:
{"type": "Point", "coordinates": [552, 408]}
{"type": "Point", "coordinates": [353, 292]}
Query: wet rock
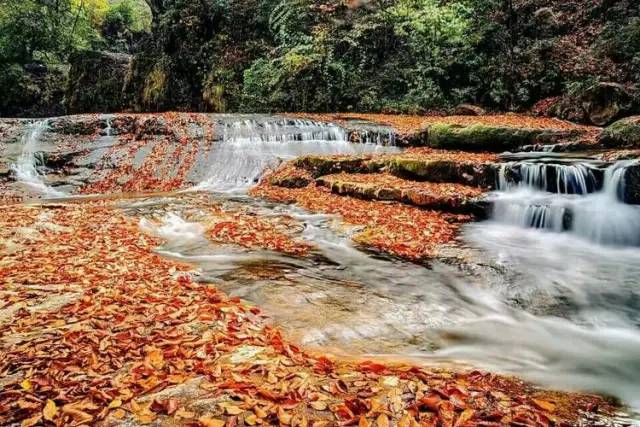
{"type": "Point", "coordinates": [318, 166]}
{"type": "Point", "coordinates": [77, 125]}
{"type": "Point", "coordinates": [632, 185]}
{"type": "Point", "coordinates": [469, 110]}
{"type": "Point", "coordinates": [624, 133]}
{"type": "Point", "coordinates": [96, 82]}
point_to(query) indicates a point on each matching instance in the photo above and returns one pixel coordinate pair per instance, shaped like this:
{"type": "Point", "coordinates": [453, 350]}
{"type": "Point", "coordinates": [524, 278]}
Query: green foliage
{"type": "Point", "coordinates": [37, 30]}
{"type": "Point", "coordinates": [328, 55]}
{"type": "Point", "coordinates": [125, 16]}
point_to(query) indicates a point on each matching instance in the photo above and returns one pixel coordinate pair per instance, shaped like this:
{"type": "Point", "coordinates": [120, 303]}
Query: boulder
{"type": "Point", "coordinates": [605, 102]}
{"type": "Point", "coordinates": [318, 166]}
{"type": "Point", "coordinates": [624, 133]}
{"type": "Point", "coordinates": [469, 110]}
{"type": "Point", "coordinates": [96, 82]}
{"type": "Point", "coordinates": [492, 138]}
{"type": "Point", "coordinates": [632, 185]}
{"type": "Point", "coordinates": [599, 104]}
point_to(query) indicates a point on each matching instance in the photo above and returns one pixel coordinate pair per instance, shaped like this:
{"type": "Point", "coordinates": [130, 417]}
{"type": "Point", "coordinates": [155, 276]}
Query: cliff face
{"type": "Point", "coordinates": [96, 82]}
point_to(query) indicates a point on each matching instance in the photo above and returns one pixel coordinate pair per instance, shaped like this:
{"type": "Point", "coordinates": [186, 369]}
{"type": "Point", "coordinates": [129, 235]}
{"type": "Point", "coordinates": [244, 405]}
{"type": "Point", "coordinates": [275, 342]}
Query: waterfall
{"type": "Point", "coordinates": [598, 216]}
{"type": "Point", "coordinates": [249, 147]}
{"type": "Point", "coordinates": [26, 166]}
{"type": "Point", "coordinates": [557, 178]}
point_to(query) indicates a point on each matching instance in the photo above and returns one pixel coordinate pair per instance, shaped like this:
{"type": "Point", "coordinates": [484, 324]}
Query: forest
{"type": "Point", "coordinates": [408, 56]}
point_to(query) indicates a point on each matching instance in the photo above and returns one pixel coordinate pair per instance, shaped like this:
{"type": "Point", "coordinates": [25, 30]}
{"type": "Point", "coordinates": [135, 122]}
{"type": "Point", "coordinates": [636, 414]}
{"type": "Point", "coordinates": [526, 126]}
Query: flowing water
{"type": "Point", "coordinates": [26, 167]}
{"type": "Point", "coordinates": [548, 288]}
{"type": "Point", "coordinates": [250, 145]}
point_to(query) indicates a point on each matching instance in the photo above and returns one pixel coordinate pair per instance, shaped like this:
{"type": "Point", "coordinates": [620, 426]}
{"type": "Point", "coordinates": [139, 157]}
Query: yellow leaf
{"type": "Point", "coordinates": [543, 404]}
{"type": "Point", "coordinates": [363, 422]}
{"type": "Point", "coordinates": [50, 410]}
{"type": "Point", "coordinates": [283, 416]}
{"type": "Point", "coordinates": [31, 421]}
{"type": "Point", "coordinates": [145, 417]}
{"type": "Point", "coordinates": [465, 416]}
{"type": "Point", "coordinates": [154, 358]}
{"type": "Point", "coordinates": [318, 405]}
{"type": "Point", "coordinates": [116, 403]}
{"type": "Point", "coordinates": [26, 385]}
{"type": "Point", "coordinates": [210, 422]}
{"type": "Point", "coordinates": [183, 413]}
{"type": "Point", "coordinates": [382, 421]}
{"type": "Point", "coordinates": [251, 420]}
{"type": "Point", "coordinates": [232, 410]}
{"type": "Point", "coordinates": [404, 421]}
{"type": "Point", "coordinates": [119, 414]}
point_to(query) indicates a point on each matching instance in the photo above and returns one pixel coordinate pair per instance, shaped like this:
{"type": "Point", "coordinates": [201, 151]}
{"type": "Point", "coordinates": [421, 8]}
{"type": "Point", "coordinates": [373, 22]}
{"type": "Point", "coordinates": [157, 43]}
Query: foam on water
{"type": "Point", "coordinates": [599, 216]}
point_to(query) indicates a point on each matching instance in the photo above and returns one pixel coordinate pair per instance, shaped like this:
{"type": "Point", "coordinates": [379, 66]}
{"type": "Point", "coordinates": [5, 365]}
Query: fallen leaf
{"type": "Point", "coordinates": [50, 410]}
{"type": "Point", "coordinates": [211, 422]}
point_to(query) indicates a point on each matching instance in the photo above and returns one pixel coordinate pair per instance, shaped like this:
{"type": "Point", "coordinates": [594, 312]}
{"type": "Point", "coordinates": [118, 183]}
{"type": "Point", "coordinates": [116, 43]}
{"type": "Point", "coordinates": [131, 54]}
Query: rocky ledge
{"type": "Point", "coordinates": [495, 133]}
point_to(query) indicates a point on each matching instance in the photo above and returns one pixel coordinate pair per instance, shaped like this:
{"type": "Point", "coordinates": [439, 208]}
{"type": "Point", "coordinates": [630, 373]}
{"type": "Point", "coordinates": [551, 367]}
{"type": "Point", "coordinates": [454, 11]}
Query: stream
{"type": "Point", "coordinates": [549, 288]}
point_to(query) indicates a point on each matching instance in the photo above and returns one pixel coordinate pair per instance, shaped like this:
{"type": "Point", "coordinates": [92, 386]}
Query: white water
{"type": "Point", "coordinates": [570, 320]}
{"type": "Point", "coordinates": [251, 146]}
{"type": "Point", "coordinates": [599, 216]}
{"type": "Point", "coordinates": [25, 167]}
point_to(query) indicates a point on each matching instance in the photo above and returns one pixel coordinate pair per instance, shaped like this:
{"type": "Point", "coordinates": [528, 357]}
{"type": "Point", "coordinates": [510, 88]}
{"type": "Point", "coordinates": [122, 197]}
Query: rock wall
{"type": "Point", "coordinates": [96, 82]}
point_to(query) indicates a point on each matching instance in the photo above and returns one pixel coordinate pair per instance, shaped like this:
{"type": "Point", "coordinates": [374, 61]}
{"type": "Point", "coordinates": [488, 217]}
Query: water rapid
{"type": "Point", "coordinates": [576, 198]}
{"type": "Point", "coordinates": [26, 167]}
{"type": "Point", "coordinates": [251, 145]}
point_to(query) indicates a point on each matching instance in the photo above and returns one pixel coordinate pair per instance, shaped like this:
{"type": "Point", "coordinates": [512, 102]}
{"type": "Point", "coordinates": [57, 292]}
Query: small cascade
{"type": "Point", "coordinates": [578, 205]}
{"type": "Point", "coordinates": [579, 178]}
{"type": "Point", "coordinates": [26, 166]}
{"type": "Point", "coordinates": [253, 145]}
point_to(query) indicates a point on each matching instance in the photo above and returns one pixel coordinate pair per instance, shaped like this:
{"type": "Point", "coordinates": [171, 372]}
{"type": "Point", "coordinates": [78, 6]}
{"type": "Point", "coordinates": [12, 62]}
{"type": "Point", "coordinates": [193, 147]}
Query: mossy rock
{"type": "Point", "coordinates": [319, 166]}
{"type": "Point", "coordinates": [290, 181]}
{"type": "Point", "coordinates": [488, 138]}
{"type": "Point", "coordinates": [483, 175]}
{"type": "Point", "coordinates": [96, 82]}
{"type": "Point", "coordinates": [624, 133]}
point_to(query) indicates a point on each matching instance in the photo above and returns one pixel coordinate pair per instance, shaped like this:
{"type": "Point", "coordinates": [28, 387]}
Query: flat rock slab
{"type": "Point", "coordinates": [419, 164]}
{"type": "Point", "coordinates": [444, 196]}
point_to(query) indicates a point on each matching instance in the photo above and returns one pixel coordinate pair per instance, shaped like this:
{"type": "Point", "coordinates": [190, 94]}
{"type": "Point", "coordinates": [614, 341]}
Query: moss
{"type": "Point", "coordinates": [480, 137]}
{"type": "Point", "coordinates": [624, 133]}
{"type": "Point", "coordinates": [319, 166]}
{"type": "Point", "coordinates": [443, 171]}
{"type": "Point", "coordinates": [154, 86]}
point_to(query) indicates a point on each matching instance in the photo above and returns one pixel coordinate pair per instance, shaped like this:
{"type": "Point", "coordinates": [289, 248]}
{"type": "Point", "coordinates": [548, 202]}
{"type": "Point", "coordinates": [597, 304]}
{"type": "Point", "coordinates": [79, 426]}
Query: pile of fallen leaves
{"type": "Point", "coordinates": [433, 154]}
{"type": "Point", "coordinates": [384, 186]}
{"type": "Point", "coordinates": [253, 232]}
{"type": "Point", "coordinates": [163, 168]}
{"type": "Point", "coordinates": [95, 327]}
{"type": "Point", "coordinates": [394, 228]}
